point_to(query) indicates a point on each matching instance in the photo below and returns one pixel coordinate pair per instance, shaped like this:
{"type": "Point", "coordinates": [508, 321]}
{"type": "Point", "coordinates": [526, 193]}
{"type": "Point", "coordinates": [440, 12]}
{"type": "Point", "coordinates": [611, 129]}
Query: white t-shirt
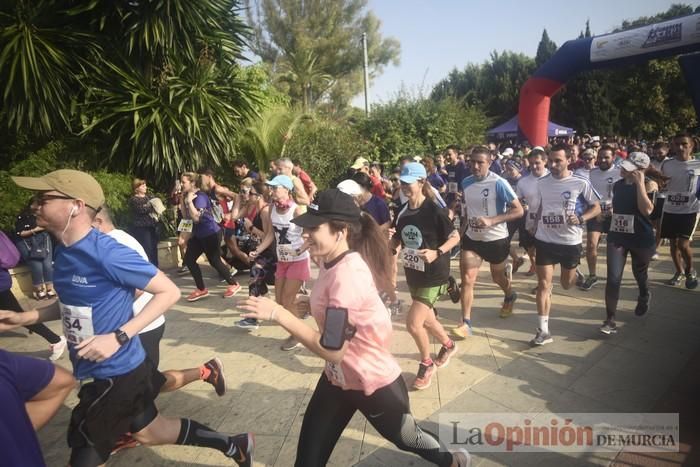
{"type": "Point", "coordinates": [559, 199]}
{"type": "Point", "coordinates": [129, 241]}
{"type": "Point", "coordinates": [603, 181]}
{"type": "Point", "coordinates": [584, 172]}
{"type": "Point", "coordinates": [683, 188]}
{"type": "Point", "coordinates": [486, 198]}
{"type": "Point", "coordinates": [528, 191]}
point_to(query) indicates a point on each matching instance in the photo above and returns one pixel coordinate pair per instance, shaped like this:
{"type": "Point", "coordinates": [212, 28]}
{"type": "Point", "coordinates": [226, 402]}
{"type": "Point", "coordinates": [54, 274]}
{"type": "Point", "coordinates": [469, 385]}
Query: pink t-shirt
{"type": "Point", "coordinates": [367, 364]}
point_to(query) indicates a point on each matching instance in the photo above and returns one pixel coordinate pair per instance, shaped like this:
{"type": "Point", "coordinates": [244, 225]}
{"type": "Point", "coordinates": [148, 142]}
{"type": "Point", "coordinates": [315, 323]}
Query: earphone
{"type": "Point", "coordinates": [73, 209]}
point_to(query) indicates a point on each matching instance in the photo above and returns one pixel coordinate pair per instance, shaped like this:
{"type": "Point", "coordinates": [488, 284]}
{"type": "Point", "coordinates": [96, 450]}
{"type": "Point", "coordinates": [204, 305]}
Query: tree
{"type": "Point", "coordinates": [545, 49]}
{"type": "Point", "coordinates": [285, 32]}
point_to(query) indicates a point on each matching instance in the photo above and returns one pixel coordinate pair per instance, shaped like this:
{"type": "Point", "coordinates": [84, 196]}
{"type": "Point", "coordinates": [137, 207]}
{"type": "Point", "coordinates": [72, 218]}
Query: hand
{"type": "Point", "coordinates": [258, 308]}
{"type": "Point", "coordinates": [189, 197]}
{"type": "Point", "coordinates": [11, 320]}
{"type": "Point", "coordinates": [253, 254]}
{"type": "Point", "coordinates": [638, 177]}
{"type": "Point", "coordinates": [428, 255]}
{"type": "Point", "coordinates": [484, 221]}
{"type": "Point", "coordinates": [98, 348]}
{"type": "Point", "coordinates": [573, 220]}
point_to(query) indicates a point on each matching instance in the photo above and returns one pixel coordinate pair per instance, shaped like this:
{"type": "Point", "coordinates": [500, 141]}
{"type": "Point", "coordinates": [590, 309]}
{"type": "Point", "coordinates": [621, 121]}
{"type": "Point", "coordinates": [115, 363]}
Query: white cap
{"type": "Point", "coordinates": [507, 152]}
{"type": "Point", "coordinates": [350, 187]}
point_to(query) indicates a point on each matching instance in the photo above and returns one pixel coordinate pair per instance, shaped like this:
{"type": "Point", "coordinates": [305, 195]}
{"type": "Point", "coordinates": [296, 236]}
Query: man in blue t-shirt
{"type": "Point", "coordinates": [96, 279]}
{"type": "Point", "coordinates": [31, 391]}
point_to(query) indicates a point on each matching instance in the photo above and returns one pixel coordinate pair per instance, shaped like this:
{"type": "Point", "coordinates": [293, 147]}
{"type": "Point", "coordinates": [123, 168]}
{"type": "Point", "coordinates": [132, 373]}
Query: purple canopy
{"type": "Point", "coordinates": [510, 129]}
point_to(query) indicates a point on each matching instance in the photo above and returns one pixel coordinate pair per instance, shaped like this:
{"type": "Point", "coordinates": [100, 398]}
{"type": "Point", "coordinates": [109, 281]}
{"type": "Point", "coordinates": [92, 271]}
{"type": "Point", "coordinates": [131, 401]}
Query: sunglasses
{"type": "Point", "coordinates": [42, 199]}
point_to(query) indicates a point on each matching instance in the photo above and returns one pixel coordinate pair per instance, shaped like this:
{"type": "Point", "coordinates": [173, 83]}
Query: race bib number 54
{"type": "Point", "coordinates": [77, 323]}
{"type": "Point", "coordinates": [411, 260]}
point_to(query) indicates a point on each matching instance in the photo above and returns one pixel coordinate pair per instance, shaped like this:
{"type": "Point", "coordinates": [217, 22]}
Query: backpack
{"type": "Point", "coordinates": [9, 255]}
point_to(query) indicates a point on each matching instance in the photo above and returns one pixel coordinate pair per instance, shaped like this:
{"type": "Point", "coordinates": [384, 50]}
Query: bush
{"type": "Point", "coordinates": [326, 149]}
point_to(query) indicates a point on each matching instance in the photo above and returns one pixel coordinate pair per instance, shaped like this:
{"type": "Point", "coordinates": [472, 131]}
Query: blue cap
{"type": "Point", "coordinates": [412, 172]}
{"type": "Point", "coordinates": [282, 180]}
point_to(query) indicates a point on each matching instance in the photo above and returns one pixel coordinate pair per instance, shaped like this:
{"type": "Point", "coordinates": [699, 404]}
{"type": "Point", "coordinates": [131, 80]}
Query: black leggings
{"type": "Point", "coordinates": [617, 257]}
{"type": "Point", "coordinates": [9, 302]}
{"type": "Point", "coordinates": [210, 247]}
{"type": "Point", "coordinates": [150, 341]}
{"type": "Point", "coordinates": [387, 409]}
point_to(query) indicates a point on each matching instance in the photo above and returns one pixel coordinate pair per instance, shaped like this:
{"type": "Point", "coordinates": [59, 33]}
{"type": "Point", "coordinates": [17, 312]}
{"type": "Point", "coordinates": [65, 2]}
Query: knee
{"type": "Point", "coordinates": [411, 437]}
{"type": "Point", "coordinates": [414, 327]}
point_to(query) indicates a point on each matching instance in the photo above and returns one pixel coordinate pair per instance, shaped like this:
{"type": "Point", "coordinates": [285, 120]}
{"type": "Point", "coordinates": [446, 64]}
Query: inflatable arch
{"type": "Point", "coordinates": [678, 36]}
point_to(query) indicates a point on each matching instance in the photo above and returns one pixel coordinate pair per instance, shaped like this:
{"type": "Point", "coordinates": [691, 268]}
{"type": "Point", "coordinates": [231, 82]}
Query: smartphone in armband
{"type": "Point", "coordinates": [336, 329]}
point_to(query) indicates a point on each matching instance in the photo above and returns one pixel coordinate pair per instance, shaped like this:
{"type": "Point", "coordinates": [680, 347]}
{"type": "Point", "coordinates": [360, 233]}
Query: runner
{"type": "Point", "coordinates": [96, 278]}
{"type": "Point", "coordinates": [565, 203]}
{"type": "Point", "coordinates": [293, 268]}
{"type": "Point", "coordinates": [602, 179]}
{"type": "Point", "coordinates": [660, 152]}
{"type": "Point", "coordinates": [589, 160]}
{"type": "Point", "coordinates": [426, 236]}
{"type": "Point", "coordinates": [360, 372]}
{"type": "Point", "coordinates": [630, 232]}
{"type": "Point", "coordinates": [680, 212]}
{"type": "Point", "coordinates": [488, 204]}
{"type": "Point", "coordinates": [262, 271]}
{"type": "Point", "coordinates": [528, 192]}
{"type": "Point", "coordinates": [285, 167]}
{"type": "Point", "coordinates": [211, 372]}
{"type": "Point", "coordinates": [205, 238]}
{"type": "Point", "coordinates": [513, 172]}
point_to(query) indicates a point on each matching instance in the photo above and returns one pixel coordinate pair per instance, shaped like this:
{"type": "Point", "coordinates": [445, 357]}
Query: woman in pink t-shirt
{"type": "Point", "coordinates": [355, 330]}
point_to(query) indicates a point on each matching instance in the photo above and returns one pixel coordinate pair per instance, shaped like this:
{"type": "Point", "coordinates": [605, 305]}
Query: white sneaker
{"type": "Point", "coordinates": [464, 459]}
{"type": "Point", "coordinates": [57, 349]}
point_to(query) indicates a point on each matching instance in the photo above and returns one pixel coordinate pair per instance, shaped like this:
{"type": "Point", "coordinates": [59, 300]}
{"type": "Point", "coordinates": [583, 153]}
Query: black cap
{"type": "Point", "coordinates": [329, 205]}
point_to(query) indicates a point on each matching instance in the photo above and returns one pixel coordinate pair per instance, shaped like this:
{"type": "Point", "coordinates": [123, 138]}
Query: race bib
{"type": "Point", "coordinates": [553, 221]}
{"type": "Point", "coordinates": [473, 225]}
{"type": "Point", "coordinates": [335, 374]}
{"type": "Point", "coordinates": [452, 187]}
{"type": "Point", "coordinates": [606, 207]}
{"type": "Point", "coordinates": [185, 225]}
{"type": "Point", "coordinates": [622, 223]}
{"type": "Point", "coordinates": [678, 198]}
{"type": "Point", "coordinates": [77, 323]}
{"type": "Point", "coordinates": [411, 260]}
{"type": "Point", "coordinates": [286, 253]}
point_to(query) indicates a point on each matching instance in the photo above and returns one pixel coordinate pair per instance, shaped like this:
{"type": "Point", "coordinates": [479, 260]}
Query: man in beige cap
{"type": "Point", "coordinates": [96, 278]}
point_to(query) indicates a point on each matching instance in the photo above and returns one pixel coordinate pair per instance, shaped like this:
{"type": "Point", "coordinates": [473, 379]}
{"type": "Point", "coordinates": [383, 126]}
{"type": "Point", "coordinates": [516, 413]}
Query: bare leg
{"type": "Point", "coordinates": [176, 379]}
{"type": "Point", "coordinates": [593, 238]}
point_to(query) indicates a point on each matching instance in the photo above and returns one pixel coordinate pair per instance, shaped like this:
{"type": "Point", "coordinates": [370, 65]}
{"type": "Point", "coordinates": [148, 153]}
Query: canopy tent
{"type": "Point", "coordinates": [510, 129]}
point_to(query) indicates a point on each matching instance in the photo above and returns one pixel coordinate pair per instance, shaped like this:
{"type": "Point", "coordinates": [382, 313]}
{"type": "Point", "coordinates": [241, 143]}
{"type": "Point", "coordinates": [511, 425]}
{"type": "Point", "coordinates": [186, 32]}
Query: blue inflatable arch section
{"type": "Point", "coordinates": [679, 36]}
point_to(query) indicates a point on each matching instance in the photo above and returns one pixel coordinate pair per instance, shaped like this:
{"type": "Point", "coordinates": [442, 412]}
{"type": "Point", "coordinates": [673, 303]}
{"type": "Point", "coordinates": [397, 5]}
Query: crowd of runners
{"type": "Point", "coordinates": [468, 206]}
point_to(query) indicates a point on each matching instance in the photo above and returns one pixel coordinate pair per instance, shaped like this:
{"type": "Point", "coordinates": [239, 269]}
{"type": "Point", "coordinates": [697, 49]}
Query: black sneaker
{"type": "Point", "coordinates": [216, 376]}
{"type": "Point", "coordinates": [675, 280]}
{"type": "Point", "coordinates": [642, 304]}
{"type": "Point", "coordinates": [589, 283]}
{"type": "Point", "coordinates": [691, 280]}
{"type": "Point", "coordinates": [248, 323]}
{"type": "Point", "coordinates": [453, 290]}
{"type": "Point", "coordinates": [241, 449]}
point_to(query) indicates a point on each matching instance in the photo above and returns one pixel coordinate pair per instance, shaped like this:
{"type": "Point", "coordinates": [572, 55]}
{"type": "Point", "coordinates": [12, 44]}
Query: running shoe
{"type": "Point", "coordinates": [462, 332]}
{"type": "Point", "coordinates": [50, 294]}
{"type": "Point", "coordinates": [589, 283]}
{"type": "Point", "coordinates": [655, 257]}
{"type": "Point", "coordinates": [216, 376]}
{"type": "Point", "coordinates": [394, 308]}
{"type": "Point", "coordinates": [509, 272]}
{"type": "Point", "coordinates": [507, 308]}
{"type": "Point", "coordinates": [463, 458]}
{"type": "Point", "coordinates": [241, 449]}
{"type": "Point", "coordinates": [183, 270]}
{"type": "Point", "coordinates": [248, 323]}
{"type": "Point", "coordinates": [232, 290]}
{"type": "Point", "coordinates": [675, 280]}
{"type": "Point", "coordinates": [531, 272]}
{"type": "Point", "coordinates": [125, 441]}
{"type": "Point", "coordinates": [518, 263]}
{"type": "Point", "coordinates": [424, 376]}
{"type": "Point", "coordinates": [541, 338]}
{"type": "Point", "coordinates": [290, 343]}
{"type": "Point", "coordinates": [57, 349]}
{"type": "Point", "coordinates": [39, 295]}
{"type": "Point", "coordinates": [580, 278]}
{"type": "Point", "coordinates": [197, 294]}
{"type": "Point", "coordinates": [443, 357]}
{"type": "Point", "coordinates": [691, 280]}
{"type": "Point", "coordinates": [642, 304]}
{"type": "Point", "coordinates": [609, 327]}
{"type": "Point", "coordinates": [453, 289]}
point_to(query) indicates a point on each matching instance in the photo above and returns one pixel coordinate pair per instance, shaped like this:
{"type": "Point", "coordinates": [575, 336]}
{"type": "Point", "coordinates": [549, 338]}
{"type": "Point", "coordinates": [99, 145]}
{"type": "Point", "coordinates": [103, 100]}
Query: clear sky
{"type": "Point", "coordinates": [438, 35]}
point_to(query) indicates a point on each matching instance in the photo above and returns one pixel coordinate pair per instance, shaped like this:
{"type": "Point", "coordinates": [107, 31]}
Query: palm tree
{"type": "Point", "coordinates": [301, 72]}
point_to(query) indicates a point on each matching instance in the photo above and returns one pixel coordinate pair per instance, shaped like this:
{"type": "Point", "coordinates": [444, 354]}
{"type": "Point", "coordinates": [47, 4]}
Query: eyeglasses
{"type": "Point", "coordinates": [42, 199]}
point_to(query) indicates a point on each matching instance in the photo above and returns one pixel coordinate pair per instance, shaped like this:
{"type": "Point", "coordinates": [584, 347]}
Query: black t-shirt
{"type": "Point", "coordinates": [425, 228]}
{"type": "Point", "coordinates": [629, 227]}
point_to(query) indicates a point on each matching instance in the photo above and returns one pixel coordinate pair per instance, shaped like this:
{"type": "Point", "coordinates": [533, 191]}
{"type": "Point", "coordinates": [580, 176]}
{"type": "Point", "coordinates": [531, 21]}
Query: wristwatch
{"type": "Point", "coordinates": [122, 337]}
{"type": "Point", "coordinates": [439, 252]}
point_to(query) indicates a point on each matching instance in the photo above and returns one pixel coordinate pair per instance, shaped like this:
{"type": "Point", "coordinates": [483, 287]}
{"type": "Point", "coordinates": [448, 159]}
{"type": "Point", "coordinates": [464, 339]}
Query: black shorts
{"type": "Point", "coordinates": [515, 226]}
{"type": "Point", "coordinates": [658, 209]}
{"type": "Point", "coordinates": [594, 225]}
{"type": "Point", "coordinates": [110, 407]}
{"type": "Point", "coordinates": [568, 256]}
{"type": "Point", "coordinates": [494, 252]}
{"type": "Point", "coordinates": [525, 238]}
{"type": "Point", "coordinates": [678, 225]}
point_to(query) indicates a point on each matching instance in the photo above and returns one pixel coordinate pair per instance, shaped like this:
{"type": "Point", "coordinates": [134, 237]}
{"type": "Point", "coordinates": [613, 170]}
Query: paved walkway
{"type": "Point", "coordinates": [495, 371]}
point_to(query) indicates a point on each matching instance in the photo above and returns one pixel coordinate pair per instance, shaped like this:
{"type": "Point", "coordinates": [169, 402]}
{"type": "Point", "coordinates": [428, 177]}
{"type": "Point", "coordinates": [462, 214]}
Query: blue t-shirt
{"type": "Point", "coordinates": [378, 209]}
{"type": "Point", "coordinates": [98, 273]}
{"type": "Point", "coordinates": [206, 225]}
{"type": "Point", "coordinates": [21, 378]}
